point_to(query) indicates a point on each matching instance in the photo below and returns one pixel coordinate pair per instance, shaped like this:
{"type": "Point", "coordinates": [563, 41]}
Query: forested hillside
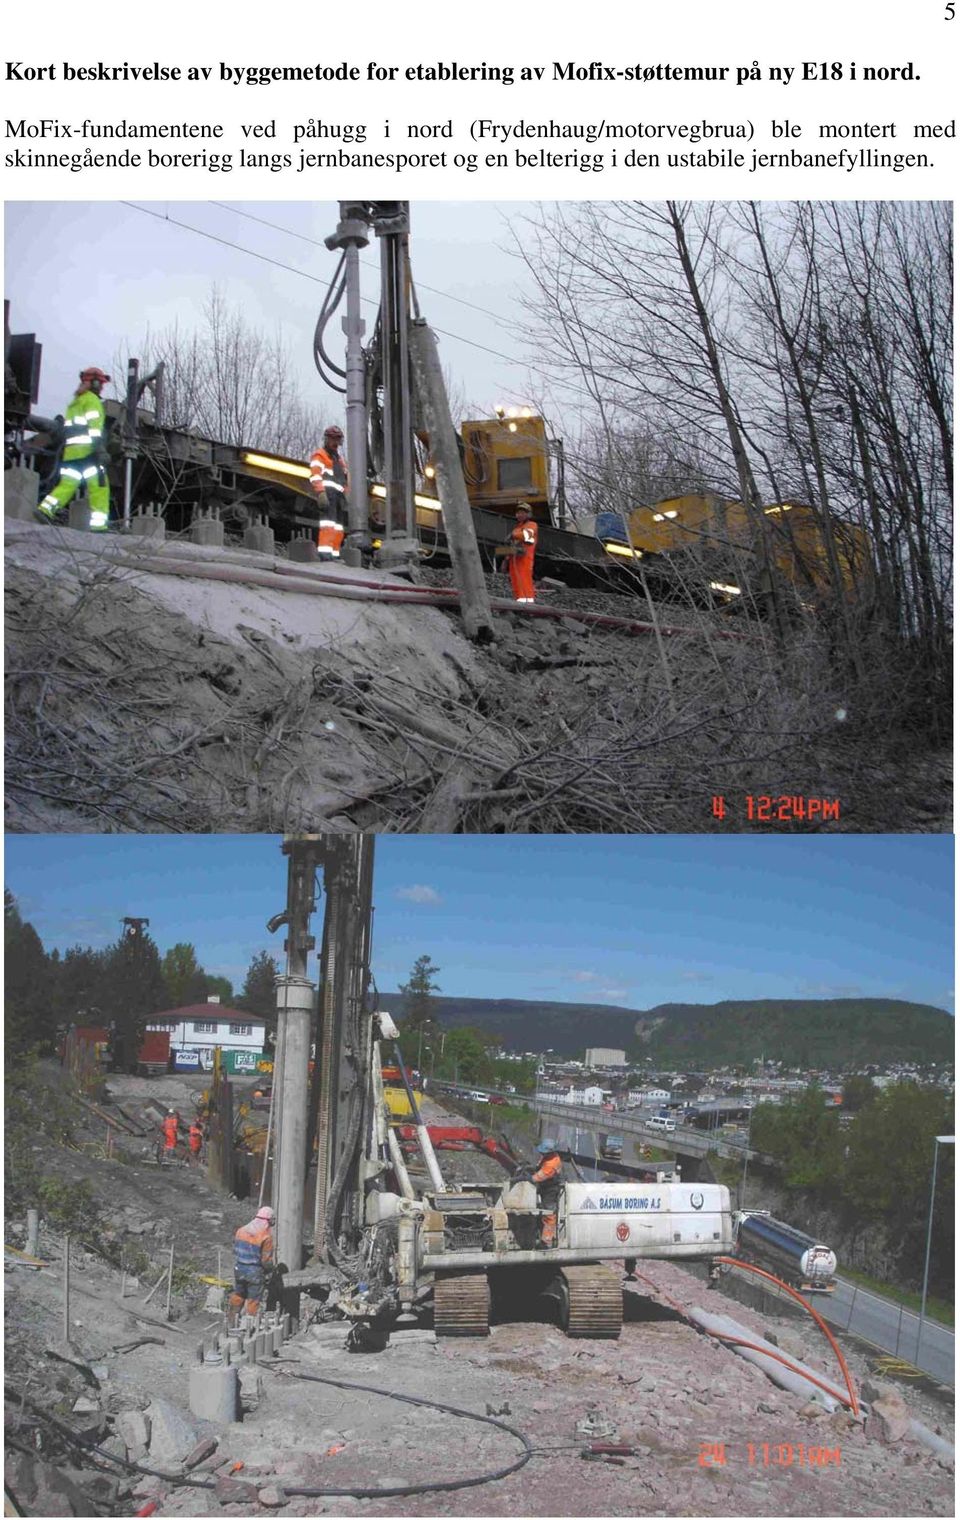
{"type": "Point", "coordinates": [804, 1032]}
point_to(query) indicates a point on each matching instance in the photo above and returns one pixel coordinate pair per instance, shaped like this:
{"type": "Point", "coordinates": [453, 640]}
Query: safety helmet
{"type": "Point", "coordinates": [334, 432]}
{"type": "Point", "coordinates": [523, 506]}
{"type": "Point", "coordinates": [266, 1213]}
{"type": "Point", "coordinates": [93, 373]}
{"type": "Point", "coordinates": [545, 1147]}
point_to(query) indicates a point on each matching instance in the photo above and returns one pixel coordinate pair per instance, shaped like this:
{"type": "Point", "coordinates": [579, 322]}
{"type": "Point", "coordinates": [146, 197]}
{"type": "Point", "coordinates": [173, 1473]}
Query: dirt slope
{"type": "Point", "coordinates": [211, 706]}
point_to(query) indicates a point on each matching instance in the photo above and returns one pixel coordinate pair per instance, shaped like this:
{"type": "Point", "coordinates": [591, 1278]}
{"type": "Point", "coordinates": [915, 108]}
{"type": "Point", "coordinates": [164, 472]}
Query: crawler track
{"type": "Point", "coordinates": [591, 1302]}
{"type": "Point", "coordinates": [461, 1303]}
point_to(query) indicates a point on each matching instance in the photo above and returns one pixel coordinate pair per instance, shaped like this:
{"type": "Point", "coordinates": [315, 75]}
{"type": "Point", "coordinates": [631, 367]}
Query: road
{"type": "Point", "coordinates": [891, 1327]}
{"type": "Point", "coordinates": [876, 1320]}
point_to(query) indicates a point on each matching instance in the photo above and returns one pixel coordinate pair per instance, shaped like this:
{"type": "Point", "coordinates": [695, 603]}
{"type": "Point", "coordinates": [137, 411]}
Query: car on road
{"type": "Point", "coordinates": [658, 1122]}
{"type": "Point", "coordinates": [479, 1097]}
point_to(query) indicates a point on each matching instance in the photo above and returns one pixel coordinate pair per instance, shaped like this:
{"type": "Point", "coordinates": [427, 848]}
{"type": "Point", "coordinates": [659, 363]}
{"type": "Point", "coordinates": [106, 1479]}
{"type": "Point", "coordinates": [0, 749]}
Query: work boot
{"type": "Point", "coordinates": [50, 514]}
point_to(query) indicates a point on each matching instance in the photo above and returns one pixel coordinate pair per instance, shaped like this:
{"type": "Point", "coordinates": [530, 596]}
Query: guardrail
{"type": "Point", "coordinates": [685, 1139]}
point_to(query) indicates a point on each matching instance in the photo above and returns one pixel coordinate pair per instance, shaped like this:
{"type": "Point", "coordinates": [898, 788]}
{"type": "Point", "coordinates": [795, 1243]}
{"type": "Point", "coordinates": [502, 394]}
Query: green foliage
{"type": "Point", "coordinates": [878, 1170]}
{"type": "Point", "coordinates": [420, 1039]}
{"type": "Point", "coordinates": [186, 1275]}
{"type": "Point", "coordinates": [259, 993]}
{"type": "Point", "coordinates": [519, 1074]}
{"type": "Point", "coordinates": [890, 1151]}
{"type": "Point", "coordinates": [36, 1109]}
{"type": "Point", "coordinates": [134, 1259]}
{"type": "Point", "coordinates": [70, 1207]}
{"type": "Point", "coordinates": [816, 1147]}
{"type": "Point", "coordinates": [184, 977]}
{"type": "Point", "coordinates": [123, 985]}
{"type": "Point", "coordinates": [78, 978]}
{"type": "Point", "coordinates": [28, 983]}
{"type": "Point", "coordinates": [857, 1093]}
{"type": "Point", "coordinates": [132, 988]}
{"type": "Point", "coordinates": [417, 994]}
{"type": "Point", "coordinates": [466, 1059]}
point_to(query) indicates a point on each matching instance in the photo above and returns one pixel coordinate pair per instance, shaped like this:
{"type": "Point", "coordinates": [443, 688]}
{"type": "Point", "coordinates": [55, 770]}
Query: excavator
{"type": "Point", "coordinates": [391, 1234]}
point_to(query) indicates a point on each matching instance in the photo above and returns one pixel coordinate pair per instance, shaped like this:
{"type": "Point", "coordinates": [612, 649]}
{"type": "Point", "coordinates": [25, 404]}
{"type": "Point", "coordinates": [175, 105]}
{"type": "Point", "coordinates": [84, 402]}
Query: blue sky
{"type": "Point", "coordinates": [623, 920]}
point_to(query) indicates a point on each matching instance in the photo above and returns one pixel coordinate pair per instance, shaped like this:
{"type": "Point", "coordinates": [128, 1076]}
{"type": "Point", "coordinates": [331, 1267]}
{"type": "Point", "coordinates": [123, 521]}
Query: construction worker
{"type": "Point", "coordinates": [548, 1178]}
{"type": "Point", "coordinates": [329, 478]}
{"type": "Point", "coordinates": [523, 545]}
{"type": "Point", "coordinates": [195, 1141]}
{"type": "Point", "coordinates": [170, 1128]}
{"type": "Point", "coordinates": [252, 1257]}
{"type": "Point", "coordinates": [84, 453]}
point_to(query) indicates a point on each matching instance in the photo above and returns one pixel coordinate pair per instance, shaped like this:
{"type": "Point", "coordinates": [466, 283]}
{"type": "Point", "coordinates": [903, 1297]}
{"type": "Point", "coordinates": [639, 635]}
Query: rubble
{"type": "Point", "coordinates": [889, 1418]}
{"type": "Point", "coordinates": [42, 1489]}
{"type": "Point", "coordinates": [134, 1429]}
{"type": "Point", "coordinates": [234, 1491]}
{"type": "Point", "coordinates": [173, 1434]}
{"type": "Point", "coordinates": [665, 1390]}
{"type": "Point", "coordinates": [272, 1496]}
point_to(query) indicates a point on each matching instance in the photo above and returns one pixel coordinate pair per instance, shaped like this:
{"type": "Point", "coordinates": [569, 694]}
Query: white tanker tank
{"type": "Point", "coordinates": [789, 1253]}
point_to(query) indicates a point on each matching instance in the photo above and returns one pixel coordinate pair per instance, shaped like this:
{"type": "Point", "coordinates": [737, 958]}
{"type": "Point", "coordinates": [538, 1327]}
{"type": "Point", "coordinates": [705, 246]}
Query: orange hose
{"type": "Point", "coordinates": [737, 1340]}
{"type": "Point", "coordinates": [731, 1261]}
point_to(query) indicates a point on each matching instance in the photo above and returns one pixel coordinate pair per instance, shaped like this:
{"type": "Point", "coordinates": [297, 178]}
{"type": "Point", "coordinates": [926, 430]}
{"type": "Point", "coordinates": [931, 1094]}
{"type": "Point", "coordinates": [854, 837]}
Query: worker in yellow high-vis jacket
{"type": "Point", "coordinates": [84, 460]}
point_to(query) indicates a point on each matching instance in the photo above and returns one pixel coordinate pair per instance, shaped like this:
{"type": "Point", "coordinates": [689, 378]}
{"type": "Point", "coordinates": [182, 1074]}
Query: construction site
{"type": "Point", "coordinates": [251, 642]}
{"type": "Point", "coordinates": [452, 1319]}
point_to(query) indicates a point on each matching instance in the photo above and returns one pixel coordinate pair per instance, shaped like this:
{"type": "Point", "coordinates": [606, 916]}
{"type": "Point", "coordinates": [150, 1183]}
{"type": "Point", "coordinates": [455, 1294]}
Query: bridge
{"type": "Point", "coordinates": [685, 1140]}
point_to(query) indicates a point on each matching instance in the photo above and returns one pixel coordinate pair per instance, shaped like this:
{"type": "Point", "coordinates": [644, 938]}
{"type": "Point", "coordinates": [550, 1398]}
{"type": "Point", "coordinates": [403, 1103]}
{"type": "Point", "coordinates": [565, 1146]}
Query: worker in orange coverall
{"type": "Point", "coordinates": [523, 543]}
{"type": "Point", "coordinates": [170, 1132]}
{"type": "Point", "coordinates": [330, 480]}
{"type": "Point", "coordinates": [195, 1139]}
{"type": "Point", "coordinates": [548, 1178]}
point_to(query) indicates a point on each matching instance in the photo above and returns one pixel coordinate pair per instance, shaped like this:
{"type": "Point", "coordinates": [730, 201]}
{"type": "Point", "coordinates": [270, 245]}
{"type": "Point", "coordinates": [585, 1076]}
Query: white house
{"type": "Point", "coordinates": [591, 1096]}
{"type": "Point", "coordinates": [197, 1030]}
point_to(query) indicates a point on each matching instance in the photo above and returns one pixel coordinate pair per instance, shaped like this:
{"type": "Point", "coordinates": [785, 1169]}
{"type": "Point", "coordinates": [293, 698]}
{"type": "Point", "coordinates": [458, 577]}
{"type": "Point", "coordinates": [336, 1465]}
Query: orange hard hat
{"type": "Point", "coordinates": [334, 432]}
{"type": "Point", "coordinates": [93, 373]}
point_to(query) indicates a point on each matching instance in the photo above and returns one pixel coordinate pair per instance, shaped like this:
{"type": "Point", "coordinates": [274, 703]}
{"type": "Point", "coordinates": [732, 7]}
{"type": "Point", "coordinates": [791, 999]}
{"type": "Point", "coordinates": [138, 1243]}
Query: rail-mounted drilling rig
{"type": "Point", "coordinates": [389, 1237]}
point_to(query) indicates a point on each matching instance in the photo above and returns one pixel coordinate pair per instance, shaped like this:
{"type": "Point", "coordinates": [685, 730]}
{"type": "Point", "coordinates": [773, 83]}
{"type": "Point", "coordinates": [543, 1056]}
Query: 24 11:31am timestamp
{"type": "Point", "coordinates": [760, 808]}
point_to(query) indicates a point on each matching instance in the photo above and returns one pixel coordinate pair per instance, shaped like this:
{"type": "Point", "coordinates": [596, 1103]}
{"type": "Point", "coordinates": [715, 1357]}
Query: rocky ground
{"type": "Point", "coordinates": [214, 706]}
{"type": "Point", "coordinates": [708, 1433]}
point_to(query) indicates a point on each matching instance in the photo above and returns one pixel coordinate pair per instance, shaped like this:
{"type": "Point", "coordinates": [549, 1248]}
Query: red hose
{"type": "Point", "coordinates": [357, 589]}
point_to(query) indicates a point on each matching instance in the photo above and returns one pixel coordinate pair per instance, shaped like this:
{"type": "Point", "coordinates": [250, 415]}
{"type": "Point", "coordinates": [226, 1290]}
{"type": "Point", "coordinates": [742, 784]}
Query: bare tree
{"type": "Point", "coordinates": [804, 350]}
{"type": "Point", "coordinates": [232, 382]}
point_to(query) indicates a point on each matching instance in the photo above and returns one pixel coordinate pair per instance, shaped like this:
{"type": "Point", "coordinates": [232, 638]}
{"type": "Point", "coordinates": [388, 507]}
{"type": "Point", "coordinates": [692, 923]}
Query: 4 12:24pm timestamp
{"type": "Point", "coordinates": [761, 808]}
